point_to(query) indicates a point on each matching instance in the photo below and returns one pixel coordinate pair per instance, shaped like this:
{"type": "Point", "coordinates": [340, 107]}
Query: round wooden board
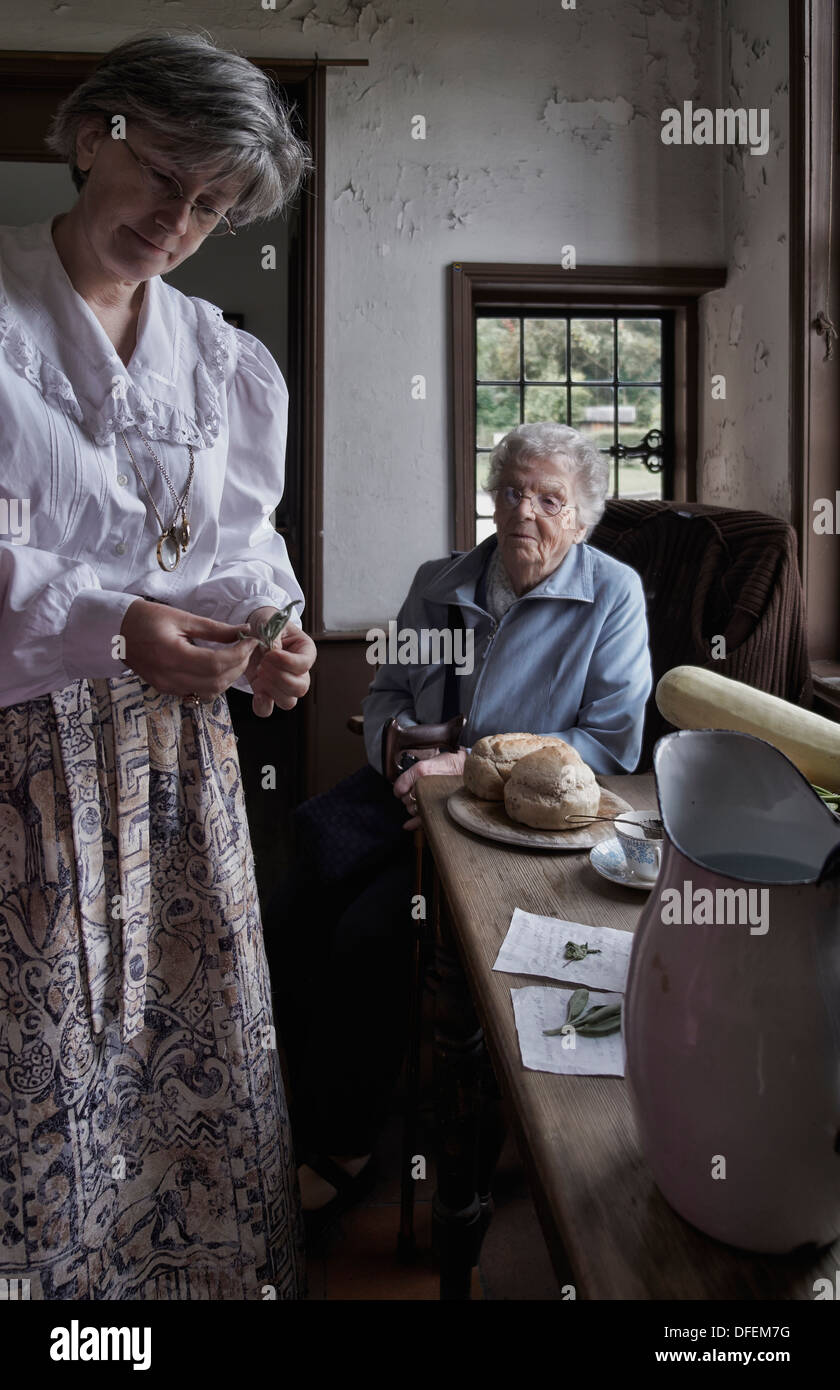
{"type": "Point", "coordinates": [491, 820]}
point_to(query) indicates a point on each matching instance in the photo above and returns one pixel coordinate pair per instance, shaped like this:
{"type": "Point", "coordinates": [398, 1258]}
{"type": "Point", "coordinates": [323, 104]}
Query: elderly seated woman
{"type": "Point", "coordinates": [559, 638]}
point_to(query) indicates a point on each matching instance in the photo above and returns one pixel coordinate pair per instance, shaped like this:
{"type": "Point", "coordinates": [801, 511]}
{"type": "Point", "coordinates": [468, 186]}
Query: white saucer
{"type": "Point", "coordinates": [608, 860]}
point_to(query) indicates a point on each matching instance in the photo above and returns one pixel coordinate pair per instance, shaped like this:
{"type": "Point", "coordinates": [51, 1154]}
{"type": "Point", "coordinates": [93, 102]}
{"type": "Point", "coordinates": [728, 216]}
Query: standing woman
{"type": "Point", "coordinates": [144, 1141]}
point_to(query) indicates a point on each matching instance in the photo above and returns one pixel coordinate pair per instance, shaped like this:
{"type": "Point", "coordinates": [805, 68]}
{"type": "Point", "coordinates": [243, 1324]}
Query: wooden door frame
{"type": "Point", "coordinates": [814, 415]}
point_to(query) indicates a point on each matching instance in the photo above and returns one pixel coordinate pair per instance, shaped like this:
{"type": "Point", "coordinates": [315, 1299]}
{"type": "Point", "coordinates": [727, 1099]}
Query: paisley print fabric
{"type": "Point", "coordinates": [144, 1140]}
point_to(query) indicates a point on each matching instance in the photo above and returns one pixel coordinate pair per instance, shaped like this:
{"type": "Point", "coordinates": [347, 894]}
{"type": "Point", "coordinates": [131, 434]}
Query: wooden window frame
{"type": "Point", "coordinates": [665, 318]}
{"type": "Point", "coordinates": [497, 285]}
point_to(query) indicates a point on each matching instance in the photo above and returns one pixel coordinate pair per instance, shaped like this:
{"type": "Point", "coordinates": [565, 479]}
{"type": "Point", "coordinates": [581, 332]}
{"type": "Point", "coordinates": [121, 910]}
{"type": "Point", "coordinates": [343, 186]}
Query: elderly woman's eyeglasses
{"type": "Point", "coordinates": [544, 504]}
{"type": "Point", "coordinates": [207, 219]}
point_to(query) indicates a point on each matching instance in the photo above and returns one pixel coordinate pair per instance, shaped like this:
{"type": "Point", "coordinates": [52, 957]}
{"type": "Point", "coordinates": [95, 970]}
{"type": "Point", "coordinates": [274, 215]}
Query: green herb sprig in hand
{"type": "Point", "coordinates": [267, 633]}
{"type": "Point", "coordinates": [598, 1022]}
{"type": "Point", "coordinates": [579, 951]}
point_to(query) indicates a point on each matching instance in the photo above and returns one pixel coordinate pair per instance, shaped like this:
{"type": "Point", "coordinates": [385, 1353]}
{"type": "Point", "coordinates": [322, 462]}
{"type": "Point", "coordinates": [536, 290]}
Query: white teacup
{"type": "Point", "coordinates": [643, 855]}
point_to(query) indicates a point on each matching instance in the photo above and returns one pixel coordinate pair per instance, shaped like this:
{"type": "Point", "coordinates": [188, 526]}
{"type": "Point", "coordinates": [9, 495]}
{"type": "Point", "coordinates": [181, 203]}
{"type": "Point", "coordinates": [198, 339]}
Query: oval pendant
{"type": "Point", "coordinates": [183, 532]}
{"type": "Point", "coordinates": [168, 551]}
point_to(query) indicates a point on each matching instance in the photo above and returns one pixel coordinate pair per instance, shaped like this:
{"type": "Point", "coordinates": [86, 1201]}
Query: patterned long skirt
{"type": "Point", "coordinates": [144, 1139]}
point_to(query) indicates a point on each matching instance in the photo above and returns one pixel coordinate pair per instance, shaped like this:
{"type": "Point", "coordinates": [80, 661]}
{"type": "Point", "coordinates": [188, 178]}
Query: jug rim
{"type": "Point", "coordinates": [831, 863]}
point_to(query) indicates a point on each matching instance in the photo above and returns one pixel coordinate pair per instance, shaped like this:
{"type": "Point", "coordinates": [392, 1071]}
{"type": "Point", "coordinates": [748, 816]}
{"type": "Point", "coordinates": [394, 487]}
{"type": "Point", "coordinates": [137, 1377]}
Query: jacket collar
{"type": "Point", "coordinates": [53, 338]}
{"type": "Point", "coordinates": [457, 582]}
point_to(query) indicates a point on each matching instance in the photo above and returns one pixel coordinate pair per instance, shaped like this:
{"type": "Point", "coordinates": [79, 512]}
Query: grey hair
{"type": "Point", "coordinates": [586, 465]}
{"type": "Point", "coordinates": [209, 106]}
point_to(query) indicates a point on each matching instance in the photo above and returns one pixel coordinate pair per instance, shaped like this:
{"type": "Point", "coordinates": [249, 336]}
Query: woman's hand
{"type": "Point", "coordinates": [160, 649]}
{"type": "Point", "coordinates": [443, 764]}
{"type": "Point", "coordinates": [280, 676]}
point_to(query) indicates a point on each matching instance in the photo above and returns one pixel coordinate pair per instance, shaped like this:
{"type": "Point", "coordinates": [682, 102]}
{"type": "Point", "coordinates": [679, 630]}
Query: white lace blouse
{"type": "Point", "coordinates": [77, 538]}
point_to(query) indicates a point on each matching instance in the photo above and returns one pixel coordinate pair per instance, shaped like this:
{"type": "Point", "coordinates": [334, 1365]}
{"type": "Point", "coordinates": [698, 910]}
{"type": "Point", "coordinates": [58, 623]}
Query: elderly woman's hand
{"type": "Point", "coordinates": [280, 676]}
{"type": "Point", "coordinates": [444, 764]}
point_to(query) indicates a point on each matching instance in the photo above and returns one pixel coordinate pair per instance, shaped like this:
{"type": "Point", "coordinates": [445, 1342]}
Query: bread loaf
{"type": "Point", "coordinates": [492, 759]}
{"type": "Point", "coordinates": [546, 787]}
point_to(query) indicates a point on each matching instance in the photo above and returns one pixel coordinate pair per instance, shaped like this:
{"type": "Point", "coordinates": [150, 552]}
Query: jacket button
{"type": "Point", "coordinates": [122, 479]}
{"type": "Point", "coordinates": [119, 548]}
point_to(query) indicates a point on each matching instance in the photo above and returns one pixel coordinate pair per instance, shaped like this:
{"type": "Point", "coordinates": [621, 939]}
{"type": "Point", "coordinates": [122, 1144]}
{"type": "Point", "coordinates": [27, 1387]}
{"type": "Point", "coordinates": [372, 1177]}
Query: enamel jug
{"type": "Point", "coordinates": [732, 1009]}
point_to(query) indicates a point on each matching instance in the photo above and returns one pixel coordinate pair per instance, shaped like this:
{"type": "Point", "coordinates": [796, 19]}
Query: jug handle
{"type": "Point", "coordinates": [831, 865]}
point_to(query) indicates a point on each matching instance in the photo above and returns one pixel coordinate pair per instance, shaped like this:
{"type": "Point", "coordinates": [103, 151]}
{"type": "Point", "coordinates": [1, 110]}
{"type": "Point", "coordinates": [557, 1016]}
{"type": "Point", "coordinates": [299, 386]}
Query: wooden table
{"type": "Point", "coordinates": [609, 1231]}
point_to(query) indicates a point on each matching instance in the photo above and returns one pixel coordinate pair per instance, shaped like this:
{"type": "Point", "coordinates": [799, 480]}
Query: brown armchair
{"type": "Point", "coordinates": [714, 572]}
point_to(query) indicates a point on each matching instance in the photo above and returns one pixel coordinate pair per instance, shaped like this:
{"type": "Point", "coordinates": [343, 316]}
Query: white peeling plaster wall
{"type": "Point", "coordinates": [540, 131]}
{"type": "Point", "coordinates": [744, 328]}
{"type": "Point", "coordinates": [543, 128]}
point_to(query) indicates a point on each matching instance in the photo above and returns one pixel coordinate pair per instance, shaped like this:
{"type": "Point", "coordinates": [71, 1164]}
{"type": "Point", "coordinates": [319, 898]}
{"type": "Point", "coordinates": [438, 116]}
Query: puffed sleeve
{"type": "Point", "coordinates": [57, 623]}
{"type": "Point", "coordinates": [251, 567]}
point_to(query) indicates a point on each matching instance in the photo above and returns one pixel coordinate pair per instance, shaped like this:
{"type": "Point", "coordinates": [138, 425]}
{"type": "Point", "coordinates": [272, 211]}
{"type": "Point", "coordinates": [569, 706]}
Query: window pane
{"type": "Point", "coordinates": [593, 413]}
{"type": "Point", "coordinates": [483, 528]}
{"type": "Point", "coordinates": [640, 349]}
{"type": "Point", "coordinates": [639, 410]}
{"type": "Point", "coordinates": [483, 500]}
{"type": "Point", "coordinates": [592, 349]}
{"type": "Point", "coordinates": [525, 353]}
{"type": "Point", "coordinates": [497, 349]}
{"type": "Point", "coordinates": [545, 349]}
{"type": "Point", "coordinates": [496, 412]}
{"type": "Point", "coordinates": [545, 403]}
{"type": "Point", "coordinates": [634, 480]}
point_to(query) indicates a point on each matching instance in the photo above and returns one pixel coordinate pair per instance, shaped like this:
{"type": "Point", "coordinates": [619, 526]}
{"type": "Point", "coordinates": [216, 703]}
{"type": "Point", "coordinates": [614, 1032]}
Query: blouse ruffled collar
{"type": "Point", "coordinates": [173, 386]}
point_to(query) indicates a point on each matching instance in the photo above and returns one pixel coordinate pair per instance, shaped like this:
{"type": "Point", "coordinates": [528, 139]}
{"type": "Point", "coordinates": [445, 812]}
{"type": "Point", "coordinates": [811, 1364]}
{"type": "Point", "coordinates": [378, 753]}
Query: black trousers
{"type": "Point", "coordinates": [339, 955]}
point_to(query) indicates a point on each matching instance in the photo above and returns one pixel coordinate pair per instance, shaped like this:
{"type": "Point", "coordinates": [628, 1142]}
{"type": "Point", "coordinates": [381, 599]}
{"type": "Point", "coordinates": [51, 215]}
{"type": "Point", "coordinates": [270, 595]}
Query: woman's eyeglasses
{"type": "Point", "coordinates": [544, 504]}
{"type": "Point", "coordinates": [207, 219]}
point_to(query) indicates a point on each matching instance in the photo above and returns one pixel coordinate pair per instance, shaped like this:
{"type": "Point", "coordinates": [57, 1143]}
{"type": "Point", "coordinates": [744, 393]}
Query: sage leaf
{"type": "Point", "coordinates": [598, 1022]}
{"type": "Point", "coordinates": [598, 1030]}
{"type": "Point", "coordinates": [603, 1011]}
{"type": "Point", "coordinates": [580, 950]}
{"type": "Point", "coordinates": [577, 1004]}
{"type": "Point", "coordinates": [268, 632]}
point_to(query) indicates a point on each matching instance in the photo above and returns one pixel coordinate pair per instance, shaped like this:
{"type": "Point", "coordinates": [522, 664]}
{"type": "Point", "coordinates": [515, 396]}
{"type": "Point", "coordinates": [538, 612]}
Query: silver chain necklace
{"type": "Point", "coordinates": [176, 536]}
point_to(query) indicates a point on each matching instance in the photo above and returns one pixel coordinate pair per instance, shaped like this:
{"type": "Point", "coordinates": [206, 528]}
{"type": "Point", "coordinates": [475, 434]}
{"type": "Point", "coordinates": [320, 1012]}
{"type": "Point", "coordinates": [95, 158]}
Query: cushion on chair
{"type": "Point", "coordinates": [714, 572]}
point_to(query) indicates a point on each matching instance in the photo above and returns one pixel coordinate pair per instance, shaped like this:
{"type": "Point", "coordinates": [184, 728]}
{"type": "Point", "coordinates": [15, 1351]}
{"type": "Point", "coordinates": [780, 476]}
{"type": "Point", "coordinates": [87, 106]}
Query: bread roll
{"type": "Point", "coordinates": [545, 787]}
{"type": "Point", "coordinates": [492, 759]}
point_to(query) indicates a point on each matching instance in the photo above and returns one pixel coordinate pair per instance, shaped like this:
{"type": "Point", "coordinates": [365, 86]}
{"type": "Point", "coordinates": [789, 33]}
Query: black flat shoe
{"type": "Point", "coordinates": [348, 1192]}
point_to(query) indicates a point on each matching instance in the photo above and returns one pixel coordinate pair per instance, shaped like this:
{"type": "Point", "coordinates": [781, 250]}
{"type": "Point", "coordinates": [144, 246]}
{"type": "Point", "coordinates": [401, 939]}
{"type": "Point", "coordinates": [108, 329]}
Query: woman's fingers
{"type": "Point", "coordinates": [262, 706]}
{"type": "Point", "coordinates": [284, 676]}
{"type": "Point", "coordinates": [160, 648]}
{"type": "Point", "coordinates": [446, 764]}
{"type": "Point", "coordinates": [207, 628]}
{"type": "Point", "coordinates": [298, 642]}
{"type": "Point", "coordinates": [209, 671]}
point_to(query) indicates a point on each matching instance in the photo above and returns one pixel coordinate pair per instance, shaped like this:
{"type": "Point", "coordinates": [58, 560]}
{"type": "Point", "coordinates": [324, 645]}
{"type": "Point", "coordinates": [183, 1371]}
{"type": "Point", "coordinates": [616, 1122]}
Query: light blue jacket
{"type": "Point", "coordinates": [570, 658]}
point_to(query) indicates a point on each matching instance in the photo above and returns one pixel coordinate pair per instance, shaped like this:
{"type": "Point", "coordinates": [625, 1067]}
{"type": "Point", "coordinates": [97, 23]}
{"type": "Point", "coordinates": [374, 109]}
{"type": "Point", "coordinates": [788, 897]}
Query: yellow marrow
{"type": "Point", "coordinates": [691, 698]}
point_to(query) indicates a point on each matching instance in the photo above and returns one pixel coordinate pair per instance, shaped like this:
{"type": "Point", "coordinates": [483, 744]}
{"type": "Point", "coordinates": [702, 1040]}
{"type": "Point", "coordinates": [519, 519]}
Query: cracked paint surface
{"type": "Point", "coordinates": [542, 129]}
{"type": "Point", "coordinates": [591, 122]}
{"type": "Point", "coordinates": [538, 135]}
{"type": "Point", "coordinates": [744, 327]}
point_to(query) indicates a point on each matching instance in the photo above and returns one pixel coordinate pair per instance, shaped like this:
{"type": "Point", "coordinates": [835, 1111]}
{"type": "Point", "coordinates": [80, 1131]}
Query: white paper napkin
{"type": "Point", "coordinates": [534, 945]}
{"type": "Point", "coordinates": [536, 1007]}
